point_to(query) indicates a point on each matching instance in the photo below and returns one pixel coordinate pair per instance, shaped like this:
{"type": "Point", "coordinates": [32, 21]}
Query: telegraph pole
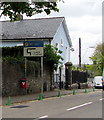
{"type": "Point", "coordinates": [79, 52]}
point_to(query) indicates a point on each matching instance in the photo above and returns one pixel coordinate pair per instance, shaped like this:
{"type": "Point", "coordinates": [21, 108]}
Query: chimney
{"type": "Point", "coordinates": [19, 17]}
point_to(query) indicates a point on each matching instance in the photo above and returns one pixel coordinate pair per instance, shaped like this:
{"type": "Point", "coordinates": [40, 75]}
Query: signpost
{"type": "Point", "coordinates": [34, 49]}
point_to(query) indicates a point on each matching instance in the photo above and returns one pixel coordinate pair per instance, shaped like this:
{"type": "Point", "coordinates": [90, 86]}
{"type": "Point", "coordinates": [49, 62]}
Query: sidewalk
{"type": "Point", "coordinates": [29, 97]}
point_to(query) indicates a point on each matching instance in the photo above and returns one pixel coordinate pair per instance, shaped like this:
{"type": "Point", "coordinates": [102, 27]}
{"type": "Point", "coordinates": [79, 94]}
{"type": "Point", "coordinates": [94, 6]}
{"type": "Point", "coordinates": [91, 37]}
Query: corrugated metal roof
{"type": "Point", "coordinates": [31, 28]}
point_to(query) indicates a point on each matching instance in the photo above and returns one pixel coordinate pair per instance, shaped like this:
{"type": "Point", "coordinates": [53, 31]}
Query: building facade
{"type": "Point", "coordinates": [50, 30]}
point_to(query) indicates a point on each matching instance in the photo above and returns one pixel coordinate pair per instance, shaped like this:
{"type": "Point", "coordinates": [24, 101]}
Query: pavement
{"type": "Point", "coordinates": [48, 94]}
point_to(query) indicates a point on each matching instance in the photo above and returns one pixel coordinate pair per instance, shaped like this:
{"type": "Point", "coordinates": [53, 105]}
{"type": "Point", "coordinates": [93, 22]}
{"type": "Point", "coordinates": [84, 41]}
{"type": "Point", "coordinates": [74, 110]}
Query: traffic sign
{"type": "Point", "coordinates": [33, 48]}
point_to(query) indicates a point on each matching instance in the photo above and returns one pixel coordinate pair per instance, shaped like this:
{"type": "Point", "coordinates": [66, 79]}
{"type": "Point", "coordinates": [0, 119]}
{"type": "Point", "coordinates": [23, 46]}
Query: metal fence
{"type": "Point", "coordinates": [79, 76]}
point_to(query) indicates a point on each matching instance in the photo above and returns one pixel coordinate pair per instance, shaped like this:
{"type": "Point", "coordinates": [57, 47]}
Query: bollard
{"type": "Point", "coordinates": [85, 91]}
{"type": "Point", "coordinates": [59, 94]}
{"type": "Point", "coordinates": [41, 96]}
{"type": "Point", "coordinates": [74, 92]}
{"type": "Point", "coordinates": [93, 89]}
{"type": "Point", "coordinates": [9, 101]}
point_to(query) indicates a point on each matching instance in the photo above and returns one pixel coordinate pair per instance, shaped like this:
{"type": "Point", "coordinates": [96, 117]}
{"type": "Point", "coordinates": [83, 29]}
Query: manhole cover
{"type": "Point", "coordinates": [20, 106]}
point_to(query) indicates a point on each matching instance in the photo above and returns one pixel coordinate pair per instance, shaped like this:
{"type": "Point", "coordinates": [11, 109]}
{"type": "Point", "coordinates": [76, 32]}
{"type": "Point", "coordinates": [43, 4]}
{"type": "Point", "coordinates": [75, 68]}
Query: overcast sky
{"type": "Point", "coordinates": [84, 20]}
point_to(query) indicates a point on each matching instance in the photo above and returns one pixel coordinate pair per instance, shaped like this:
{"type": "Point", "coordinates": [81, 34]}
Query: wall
{"type": "Point", "coordinates": [61, 42]}
{"type": "Point", "coordinates": [12, 43]}
{"type": "Point", "coordinates": [63, 45]}
{"type": "Point", "coordinates": [11, 74]}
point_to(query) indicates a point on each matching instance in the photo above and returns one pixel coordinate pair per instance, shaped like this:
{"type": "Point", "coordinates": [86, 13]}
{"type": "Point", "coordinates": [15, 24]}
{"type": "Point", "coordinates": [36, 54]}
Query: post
{"type": "Point", "coordinates": [25, 67]}
{"type": "Point", "coordinates": [25, 60]}
{"type": "Point", "coordinates": [68, 74]}
{"type": "Point", "coordinates": [79, 52]}
{"type": "Point", "coordinates": [42, 75]}
{"type": "Point", "coordinates": [60, 78]}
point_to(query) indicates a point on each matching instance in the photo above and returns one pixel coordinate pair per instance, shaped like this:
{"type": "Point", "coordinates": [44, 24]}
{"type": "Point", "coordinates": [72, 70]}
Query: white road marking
{"type": "Point", "coordinates": [79, 106]}
{"type": "Point", "coordinates": [43, 117]}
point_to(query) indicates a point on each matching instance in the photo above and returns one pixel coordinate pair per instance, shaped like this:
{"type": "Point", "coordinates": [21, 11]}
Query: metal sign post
{"type": "Point", "coordinates": [25, 67]}
{"type": "Point", "coordinates": [42, 75]}
{"type": "Point", "coordinates": [34, 49]}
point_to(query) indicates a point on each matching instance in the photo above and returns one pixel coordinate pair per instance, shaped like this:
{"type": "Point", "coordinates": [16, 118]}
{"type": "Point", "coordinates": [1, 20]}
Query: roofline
{"type": "Point", "coordinates": [24, 39]}
{"type": "Point", "coordinates": [34, 19]}
{"type": "Point", "coordinates": [67, 32]}
{"type": "Point", "coordinates": [59, 27]}
{"type": "Point", "coordinates": [66, 29]}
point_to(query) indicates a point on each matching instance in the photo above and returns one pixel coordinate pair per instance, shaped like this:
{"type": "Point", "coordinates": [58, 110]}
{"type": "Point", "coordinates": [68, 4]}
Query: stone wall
{"type": "Point", "coordinates": [11, 74]}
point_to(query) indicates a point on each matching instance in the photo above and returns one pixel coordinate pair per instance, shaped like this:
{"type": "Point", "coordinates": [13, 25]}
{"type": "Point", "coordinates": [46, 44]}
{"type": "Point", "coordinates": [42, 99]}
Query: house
{"type": "Point", "coordinates": [50, 30]}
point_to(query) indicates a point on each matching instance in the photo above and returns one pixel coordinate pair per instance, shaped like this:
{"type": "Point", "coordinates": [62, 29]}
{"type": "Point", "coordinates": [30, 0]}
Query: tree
{"type": "Point", "coordinates": [15, 9]}
{"type": "Point", "coordinates": [52, 56]}
{"type": "Point", "coordinates": [98, 60]}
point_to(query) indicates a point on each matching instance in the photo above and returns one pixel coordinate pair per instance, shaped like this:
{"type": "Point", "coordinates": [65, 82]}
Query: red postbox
{"type": "Point", "coordinates": [23, 83]}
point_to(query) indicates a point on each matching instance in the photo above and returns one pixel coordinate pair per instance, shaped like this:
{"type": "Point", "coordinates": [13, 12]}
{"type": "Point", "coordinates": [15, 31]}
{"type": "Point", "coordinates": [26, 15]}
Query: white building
{"type": "Point", "coordinates": [50, 30]}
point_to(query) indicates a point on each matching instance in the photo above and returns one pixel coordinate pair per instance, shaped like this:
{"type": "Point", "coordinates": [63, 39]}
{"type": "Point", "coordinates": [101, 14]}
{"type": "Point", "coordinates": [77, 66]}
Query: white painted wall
{"type": "Point", "coordinates": [12, 43]}
{"type": "Point", "coordinates": [60, 40]}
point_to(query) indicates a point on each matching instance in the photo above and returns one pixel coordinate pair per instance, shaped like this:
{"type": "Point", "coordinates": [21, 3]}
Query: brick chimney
{"type": "Point", "coordinates": [19, 17]}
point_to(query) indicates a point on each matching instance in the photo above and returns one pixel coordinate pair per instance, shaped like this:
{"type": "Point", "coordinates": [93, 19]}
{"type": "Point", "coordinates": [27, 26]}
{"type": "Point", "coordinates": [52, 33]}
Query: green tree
{"type": "Point", "coordinates": [98, 60]}
{"type": "Point", "coordinates": [15, 9]}
{"type": "Point", "coordinates": [52, 57]}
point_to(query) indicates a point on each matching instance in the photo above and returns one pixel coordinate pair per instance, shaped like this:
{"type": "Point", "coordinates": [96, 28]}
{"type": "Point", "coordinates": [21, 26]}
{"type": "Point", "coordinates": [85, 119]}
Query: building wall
{"type": "Point", "coordinates": [61, 39]}
{"type": "Point", "coordinates": [11, 74]}
{"type": "Point", "coordinates": [61, 42]}
{"type": "Point", "coordinates": [11, 43]}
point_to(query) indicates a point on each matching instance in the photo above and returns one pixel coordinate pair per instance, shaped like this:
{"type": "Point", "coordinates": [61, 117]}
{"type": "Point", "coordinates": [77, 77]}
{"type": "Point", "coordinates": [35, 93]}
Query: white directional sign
{"type": "Point", "coordinates": [33, 51]}
{"type": "Point", "coordinates": [33, 48]}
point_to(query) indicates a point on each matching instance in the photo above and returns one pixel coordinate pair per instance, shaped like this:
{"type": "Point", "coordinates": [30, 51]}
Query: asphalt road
{"type": "Point", "coordinates": [83, 105]}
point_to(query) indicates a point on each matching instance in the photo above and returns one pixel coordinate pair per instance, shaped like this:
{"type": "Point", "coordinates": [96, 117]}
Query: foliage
{"type": "Point", "coordinates": [83, 68]}
{"type": "Point", "coordinates": [98, 60]}
{"type": "Point", "coordinates": [13, 60]}
{"type": "Point", "coordinates": [74, 67]}
{"type": "Point", "coordinates": [52, 55]}
{"type": "Point", "coordinates": [12, 51]}
{"type": "Point", "coordinates": [14, 9]}
{"type": "Point", "coordinates": [15, 55]}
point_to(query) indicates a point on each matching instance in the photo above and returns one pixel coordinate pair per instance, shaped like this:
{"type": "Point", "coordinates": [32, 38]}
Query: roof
{"type": "Point", "coordinates": [31, 28]}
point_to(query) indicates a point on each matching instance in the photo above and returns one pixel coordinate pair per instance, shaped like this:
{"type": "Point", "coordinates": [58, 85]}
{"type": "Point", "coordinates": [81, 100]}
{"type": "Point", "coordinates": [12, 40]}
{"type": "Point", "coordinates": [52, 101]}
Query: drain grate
{"type": "Point", "coordinates": [20, 106]}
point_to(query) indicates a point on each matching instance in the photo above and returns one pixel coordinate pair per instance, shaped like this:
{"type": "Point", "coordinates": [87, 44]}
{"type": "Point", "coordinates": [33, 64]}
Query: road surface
{"type": "Point", "coordinates": [84, 105]}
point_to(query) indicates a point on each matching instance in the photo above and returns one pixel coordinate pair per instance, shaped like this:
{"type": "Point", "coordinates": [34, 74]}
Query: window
{"type": "Point", "coordinates": [57, 45]}
{"type": "Point", "coordinates": [62, 43]}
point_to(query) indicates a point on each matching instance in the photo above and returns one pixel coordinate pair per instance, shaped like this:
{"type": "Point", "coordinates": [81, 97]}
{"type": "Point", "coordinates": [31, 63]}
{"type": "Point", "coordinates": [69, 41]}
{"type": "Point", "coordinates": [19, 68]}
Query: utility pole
{"type": "Point", "coordinates": [79, 52]}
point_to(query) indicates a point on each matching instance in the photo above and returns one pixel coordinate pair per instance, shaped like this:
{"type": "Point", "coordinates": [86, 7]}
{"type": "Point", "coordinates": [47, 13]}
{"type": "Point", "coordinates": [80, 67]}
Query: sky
{"type": "Point", "coordinates": [84, 20]}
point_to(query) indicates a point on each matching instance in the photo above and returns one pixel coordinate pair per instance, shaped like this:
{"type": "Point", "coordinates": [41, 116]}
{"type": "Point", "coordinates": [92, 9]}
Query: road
{"type": "Point", "coordinates": [83, 105]}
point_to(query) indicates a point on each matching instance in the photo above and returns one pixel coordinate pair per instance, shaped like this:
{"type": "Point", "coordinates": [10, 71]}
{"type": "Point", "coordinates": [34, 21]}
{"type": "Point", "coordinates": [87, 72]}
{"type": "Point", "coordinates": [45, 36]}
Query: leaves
{"type": "Point", "coordinates": [52, 55]}
{"type": "Point", "coordinates": [15, 54]}
{"type": "Point", "coordinates": [13, 9]}
{"type": "Point", "coordinates": [98, 60]}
